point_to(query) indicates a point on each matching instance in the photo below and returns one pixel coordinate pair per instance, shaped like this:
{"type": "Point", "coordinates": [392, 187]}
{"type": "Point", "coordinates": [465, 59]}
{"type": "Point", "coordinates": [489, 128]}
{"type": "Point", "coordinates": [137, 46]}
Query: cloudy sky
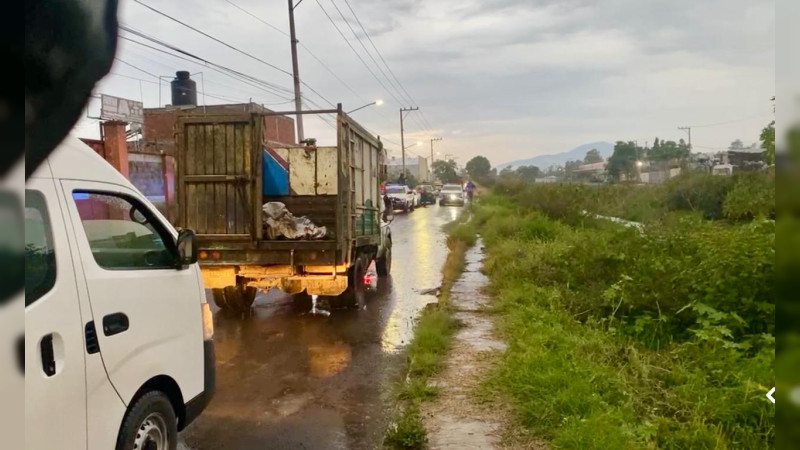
{"type": "Point", "coordinates": [507, 79]}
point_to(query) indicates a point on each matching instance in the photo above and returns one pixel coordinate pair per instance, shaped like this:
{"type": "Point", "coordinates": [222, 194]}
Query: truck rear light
{"type": "Point", "coordinates": [208, 322]}
{"type": "Point", "coordinates": [215, 254]}
{"type": "Point", "coordinates": [202, 254]}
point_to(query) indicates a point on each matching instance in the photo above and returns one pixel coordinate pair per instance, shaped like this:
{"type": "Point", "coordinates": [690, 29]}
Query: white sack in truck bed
{"type": "Point", "coordinates": [280, 222]}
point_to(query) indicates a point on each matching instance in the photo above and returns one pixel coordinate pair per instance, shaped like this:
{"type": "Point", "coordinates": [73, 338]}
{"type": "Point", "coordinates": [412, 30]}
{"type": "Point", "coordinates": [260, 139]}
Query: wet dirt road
{"type": "Point", "coordinates": [288, 379]}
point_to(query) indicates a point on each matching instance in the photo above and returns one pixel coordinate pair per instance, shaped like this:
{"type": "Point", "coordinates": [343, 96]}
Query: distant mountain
{"type": "Point", "coordinates": [559, 159]}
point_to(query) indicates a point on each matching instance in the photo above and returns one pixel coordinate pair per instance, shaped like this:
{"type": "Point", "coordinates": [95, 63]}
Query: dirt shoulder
{"type": "Point", "coordinates": [457, 418]}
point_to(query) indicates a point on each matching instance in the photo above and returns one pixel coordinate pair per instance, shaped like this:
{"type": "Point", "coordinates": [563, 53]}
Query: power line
{"type": "Point", "coordinates": [231, 47]}
{"type": "Point", "coordinates": [731, 121]}
{"type": "Point", "coordinates": [356, 52]}
{"type": "Point", "coordinates": [321, 117]}
{"type": "Point", "coordinates": [236, 49]}
{"type": "Point", "coordinates": [160, 81]}
{"type": "Point", "coordinates": [408, 96]}
{"type": "Point", "coordinates": [272, 88]}
{"type": "Point", "coordinates": [257, 18]}
{"type": "Point", "coordinates": [135, 67]}
{"type": "Point", "coordinates": [347, 22]}
{"type": "Point", "coordinates": [310, 53]}
{"type": "Point", "coordinates": [206, 93]}
{"type": "Point", "coordinates": [308, 50]}
{"type": "Point", "coordinates": [169, 64]}
{"type": "Point", "coordinates": [424, 123]}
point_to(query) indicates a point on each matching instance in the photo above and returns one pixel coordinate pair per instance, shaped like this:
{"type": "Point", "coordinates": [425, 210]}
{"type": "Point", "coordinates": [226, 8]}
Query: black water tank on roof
{"type": "Point", "coordinates": [184, 89]}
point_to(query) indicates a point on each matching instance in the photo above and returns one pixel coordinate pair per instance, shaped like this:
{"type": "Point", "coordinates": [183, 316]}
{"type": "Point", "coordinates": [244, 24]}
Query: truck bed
{"type": "Point", "coordinates": [320, 209]}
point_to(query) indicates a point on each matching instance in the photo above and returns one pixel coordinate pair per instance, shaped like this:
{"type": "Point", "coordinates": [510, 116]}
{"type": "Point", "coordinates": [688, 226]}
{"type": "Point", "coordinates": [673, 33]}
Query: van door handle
{"type": "Point", "coordinates": [48, 357]}
{"type": "Point", "coordinates": [115, 324]}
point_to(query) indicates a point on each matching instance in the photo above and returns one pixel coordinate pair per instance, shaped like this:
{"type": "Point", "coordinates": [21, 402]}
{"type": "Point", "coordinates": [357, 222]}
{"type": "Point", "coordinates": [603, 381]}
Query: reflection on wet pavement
{"type": "Point", "coordinates": [289, 379]}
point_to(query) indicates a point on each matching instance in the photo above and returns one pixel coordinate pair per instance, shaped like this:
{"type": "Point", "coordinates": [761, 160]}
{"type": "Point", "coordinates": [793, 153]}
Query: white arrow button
{"type": "Point", "coordinates": [769, 395]}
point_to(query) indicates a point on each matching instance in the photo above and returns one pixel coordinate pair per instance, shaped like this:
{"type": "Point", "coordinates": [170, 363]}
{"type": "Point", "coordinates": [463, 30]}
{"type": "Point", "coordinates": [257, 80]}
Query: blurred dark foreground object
{"type": "Point", "coordinates": [69, 46]}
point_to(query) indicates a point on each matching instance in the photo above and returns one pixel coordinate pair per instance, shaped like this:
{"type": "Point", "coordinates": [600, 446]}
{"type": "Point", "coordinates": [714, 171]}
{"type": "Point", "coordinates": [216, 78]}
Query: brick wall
{"type": "Point", "coordinates": [159, 125]}
{"type": "Point", "coordinates": [279, 130]}
{"type": "Point", "coordinates": [96, 144]}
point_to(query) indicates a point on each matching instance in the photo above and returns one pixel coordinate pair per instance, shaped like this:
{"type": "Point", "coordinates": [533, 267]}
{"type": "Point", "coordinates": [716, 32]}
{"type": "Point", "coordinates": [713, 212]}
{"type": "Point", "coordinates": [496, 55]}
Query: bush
{"type": "Point", "coordinates": [620, 338]}
{"type": "Point", "coordinates": [752, 195]}
{"type": "Point", "coordinates": [698, 191]}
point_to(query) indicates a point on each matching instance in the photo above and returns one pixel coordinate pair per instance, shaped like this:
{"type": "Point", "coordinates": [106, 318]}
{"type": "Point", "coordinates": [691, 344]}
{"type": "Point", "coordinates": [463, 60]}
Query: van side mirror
{"type": "Point", "coordinates": [187, 248]}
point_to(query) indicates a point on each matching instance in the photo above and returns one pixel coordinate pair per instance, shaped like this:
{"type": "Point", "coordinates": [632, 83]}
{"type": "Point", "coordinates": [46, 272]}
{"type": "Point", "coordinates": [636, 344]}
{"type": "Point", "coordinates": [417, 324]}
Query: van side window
{"type": "Point", "coordinates": [122, 233]}
{"type": "Point", "coordinates": [40, 258]}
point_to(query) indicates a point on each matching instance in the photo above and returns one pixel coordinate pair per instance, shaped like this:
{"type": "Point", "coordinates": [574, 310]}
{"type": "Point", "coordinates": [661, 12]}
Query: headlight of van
{"type": "Point", "coordinates": [208, 322]}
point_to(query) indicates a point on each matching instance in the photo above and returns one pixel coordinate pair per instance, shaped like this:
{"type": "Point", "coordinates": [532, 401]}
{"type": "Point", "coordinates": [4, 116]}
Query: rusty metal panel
{"type": "Point", "coordinates": [327, 177]}
{"type": "Point", "coordinates": [302, 171]}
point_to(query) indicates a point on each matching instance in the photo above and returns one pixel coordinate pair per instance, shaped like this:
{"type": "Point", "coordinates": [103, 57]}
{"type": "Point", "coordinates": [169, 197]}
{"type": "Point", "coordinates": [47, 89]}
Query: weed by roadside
{"type": "Point", "coordinates": [621, 339]}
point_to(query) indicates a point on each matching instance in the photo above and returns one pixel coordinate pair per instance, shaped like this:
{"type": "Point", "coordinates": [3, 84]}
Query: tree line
{"type": "Point", "coordinates": [622, 164]}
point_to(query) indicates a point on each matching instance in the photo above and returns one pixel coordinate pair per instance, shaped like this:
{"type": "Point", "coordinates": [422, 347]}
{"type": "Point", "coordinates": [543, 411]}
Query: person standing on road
{"type": "Point", "coordinates": [470, 188]}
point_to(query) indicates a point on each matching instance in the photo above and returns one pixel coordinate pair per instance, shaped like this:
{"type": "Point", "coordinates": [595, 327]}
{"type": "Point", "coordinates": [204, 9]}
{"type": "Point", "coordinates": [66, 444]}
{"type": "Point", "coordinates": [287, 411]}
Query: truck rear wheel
{"type": "Point", "coordinates": [384, 265]}
{"type": "Point", "coordinates": [354, 295]}
{"type": "Point", "coordinates": [237, 299]}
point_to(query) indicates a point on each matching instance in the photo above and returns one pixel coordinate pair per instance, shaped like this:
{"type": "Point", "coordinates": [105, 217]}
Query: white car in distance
{"type": "Point", "coordinates": [451, 194]}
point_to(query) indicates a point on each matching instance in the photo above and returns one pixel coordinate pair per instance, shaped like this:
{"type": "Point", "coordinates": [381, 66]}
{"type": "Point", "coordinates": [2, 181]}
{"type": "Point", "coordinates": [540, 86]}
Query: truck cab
{"type": "Point", "coordinates": [118, 335]}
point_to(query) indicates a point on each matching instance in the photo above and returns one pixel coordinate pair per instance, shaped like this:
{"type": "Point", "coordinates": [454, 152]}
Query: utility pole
{"type": "Point", "coordinates": [402, 137]}
{"type": "Point", "coordinates": [298, 103]}
{"type": "Point", "coordinates": [432, 141]}
{"type": "Point", "coordinates": [688, 130]}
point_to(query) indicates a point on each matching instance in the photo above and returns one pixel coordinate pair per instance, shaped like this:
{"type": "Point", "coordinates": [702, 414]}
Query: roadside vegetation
{"type": "Point", "coordinates": [432, 337]}
{"type": "Point", "coordinates": [620, 337]}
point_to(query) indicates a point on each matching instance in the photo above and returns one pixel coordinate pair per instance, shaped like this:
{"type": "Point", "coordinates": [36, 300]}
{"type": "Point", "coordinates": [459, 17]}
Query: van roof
{"type": "Point", "coordinates": [74, 160]}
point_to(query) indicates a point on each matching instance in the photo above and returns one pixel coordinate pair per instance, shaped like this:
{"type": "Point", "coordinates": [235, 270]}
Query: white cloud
{"type": "Point", "coordinates": [510, 78]}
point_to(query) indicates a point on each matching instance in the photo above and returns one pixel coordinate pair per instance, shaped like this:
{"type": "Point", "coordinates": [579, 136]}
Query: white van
{"type": "Point", "coordinates": [118, 335]}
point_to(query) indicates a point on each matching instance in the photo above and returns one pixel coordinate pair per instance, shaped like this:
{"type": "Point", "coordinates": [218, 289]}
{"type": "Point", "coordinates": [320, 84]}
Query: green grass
{"type": "Point", "coordinates": [622, 340]}
{"type": "Point", "coordinates": [433, 334]}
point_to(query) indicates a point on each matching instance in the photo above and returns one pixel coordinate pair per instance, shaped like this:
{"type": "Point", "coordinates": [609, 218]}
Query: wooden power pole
{"type": "Point", "coordinates": [298, 102]}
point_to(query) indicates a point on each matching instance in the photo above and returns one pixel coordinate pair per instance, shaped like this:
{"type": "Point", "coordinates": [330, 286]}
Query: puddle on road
{"type": "Point", "coordinates": [327, 360]}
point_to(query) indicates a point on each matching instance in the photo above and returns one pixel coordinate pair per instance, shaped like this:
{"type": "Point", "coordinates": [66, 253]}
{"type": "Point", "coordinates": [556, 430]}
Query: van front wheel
{"type": "Point", "coordinates": [149, 424]}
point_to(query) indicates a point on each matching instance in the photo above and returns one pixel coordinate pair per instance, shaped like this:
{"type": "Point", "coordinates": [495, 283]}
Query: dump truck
{"type": "Point", "coordinates": [234, 186]}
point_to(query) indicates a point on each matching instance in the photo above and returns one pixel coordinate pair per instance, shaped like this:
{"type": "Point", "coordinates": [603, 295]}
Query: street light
{"type": "Point", "coordinates": [416, 144]}
{"type": "Point", "coordinates": [403, 112]}
{"type": "Point", "coordinates": [432, 141]}
{"type": "Point", "coordinates": [377, 102]}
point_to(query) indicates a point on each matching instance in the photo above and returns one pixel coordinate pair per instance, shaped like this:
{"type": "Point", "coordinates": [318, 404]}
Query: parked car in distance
{"type": "Point", "coordinates": [451, 194]}
{"type": "Point", "coordinates": [401, 196]}
{"type": "Point", "coordinates": [427, 194]}
{"type": "Point", "coordinates": [118, 334]}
